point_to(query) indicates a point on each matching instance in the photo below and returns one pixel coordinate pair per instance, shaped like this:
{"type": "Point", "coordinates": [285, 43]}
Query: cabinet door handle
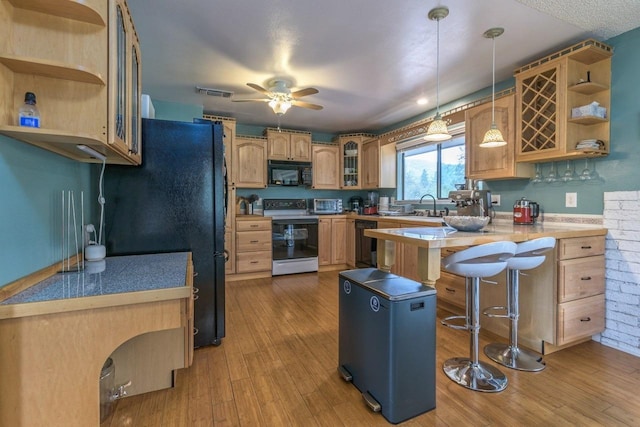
{"type": "Point", "coordinates": [451, 290]}
{"type": "Point", "coordinates": [585, 247]}
{"type": "Point", "coordinates": [586, 319]}
{"type": "Point", "coordinates": [586, 278]}
{"type": "Point", "coordinates": [255, 225]}
{"type": "Point", "coordinates": [254, 262]}
{"type": "Point", "coordinates": [254, 241]}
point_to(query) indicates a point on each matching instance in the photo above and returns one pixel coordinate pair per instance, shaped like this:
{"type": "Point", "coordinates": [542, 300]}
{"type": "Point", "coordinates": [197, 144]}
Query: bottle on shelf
{"type": "Point", "coordinates": [28, 114]}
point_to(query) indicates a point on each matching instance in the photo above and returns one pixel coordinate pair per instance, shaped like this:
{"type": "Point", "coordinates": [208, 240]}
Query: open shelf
{"type": "Point", "coordinates": [588, 120]}
{"type": "Point", "coordinates": [54, 69]}
{"type": "Point", "coordinates": [71, 9]}
{"type": "Point", "coordinates": [49, 136]}
{"type": "Point", "coordinates": [588, 88]}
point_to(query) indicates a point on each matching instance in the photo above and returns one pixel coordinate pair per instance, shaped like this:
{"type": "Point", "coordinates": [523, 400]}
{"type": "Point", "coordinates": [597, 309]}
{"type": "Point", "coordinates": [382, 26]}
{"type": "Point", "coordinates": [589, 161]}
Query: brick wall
{"type": "Point", "coordinates": [622, 318]}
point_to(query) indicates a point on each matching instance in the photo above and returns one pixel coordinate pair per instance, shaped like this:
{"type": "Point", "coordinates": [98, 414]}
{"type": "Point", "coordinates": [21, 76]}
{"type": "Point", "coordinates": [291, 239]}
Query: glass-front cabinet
{"type": "Point", "coordinates": [351, 159]}
{"type": "Point", "coordinates": [124, 73]}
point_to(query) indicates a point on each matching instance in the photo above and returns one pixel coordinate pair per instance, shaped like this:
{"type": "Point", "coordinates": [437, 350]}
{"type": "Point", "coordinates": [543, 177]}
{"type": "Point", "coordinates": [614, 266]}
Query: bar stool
{"type": "Point", "coordinates": [475, 263]}
{"type": "Point", "coordinates": [528, 255]}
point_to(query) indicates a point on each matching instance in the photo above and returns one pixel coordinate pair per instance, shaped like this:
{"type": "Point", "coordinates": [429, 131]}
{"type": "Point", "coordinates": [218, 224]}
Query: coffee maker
{"type": "Point", "coordinates": [472, 202]}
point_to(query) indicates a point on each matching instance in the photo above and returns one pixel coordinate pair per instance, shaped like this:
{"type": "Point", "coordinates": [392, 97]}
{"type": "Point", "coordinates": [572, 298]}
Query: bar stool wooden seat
{"type": "Point", "coordinates": [529, 255]}
{"type": "Point", "coordinates": [475, 263]}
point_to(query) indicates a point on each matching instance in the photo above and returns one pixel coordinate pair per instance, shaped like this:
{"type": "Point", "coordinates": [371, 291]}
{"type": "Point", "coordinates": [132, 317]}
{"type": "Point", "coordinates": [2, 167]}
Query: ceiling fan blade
{"type": "Point", "coordinates": [306, 105]}
{"type": "Point", "coordinates": [258, 88]}
{"type": "Point", "coordinates": [251, 100]}
{"type": "Point", "coordinates": [304, 92]}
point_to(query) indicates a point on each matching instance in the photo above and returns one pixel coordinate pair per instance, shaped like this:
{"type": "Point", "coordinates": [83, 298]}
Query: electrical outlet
{"type": "Point", "coordinates": [571, 200]}
{"type": "Point", "coordinates": [495, 199]}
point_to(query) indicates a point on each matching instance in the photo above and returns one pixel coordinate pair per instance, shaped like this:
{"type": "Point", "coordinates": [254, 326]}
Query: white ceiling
{"type": "Point", "coordinates": [370, 59]}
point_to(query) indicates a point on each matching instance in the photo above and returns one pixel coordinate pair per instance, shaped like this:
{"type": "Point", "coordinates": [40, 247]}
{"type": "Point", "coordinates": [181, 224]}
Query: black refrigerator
{"type": "Point", "coordinates": [173, 202]}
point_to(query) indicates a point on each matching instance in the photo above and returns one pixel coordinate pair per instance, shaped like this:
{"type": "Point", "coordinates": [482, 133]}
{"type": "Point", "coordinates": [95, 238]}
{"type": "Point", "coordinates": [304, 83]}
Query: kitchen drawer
{"type": "Point", "coordinates": [580, 319]}
{"type": "Point", "coordinates": [253, 225]}
{"type": "Point", "coordinates": [581, 277]}
{"type": "Point", "coordinates": [253, 261]}
{"type": "Point", "coordinates": [253, 241]}
{"type": "Point", "coordinates": [580, 247]}
{"type": "Point", "coordinates": [451, 289]}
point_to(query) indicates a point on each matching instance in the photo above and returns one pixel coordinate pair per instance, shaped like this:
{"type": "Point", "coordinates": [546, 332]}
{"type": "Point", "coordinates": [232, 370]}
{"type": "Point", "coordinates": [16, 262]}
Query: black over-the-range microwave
{"type": "Point", "coordinates": [289, 173]}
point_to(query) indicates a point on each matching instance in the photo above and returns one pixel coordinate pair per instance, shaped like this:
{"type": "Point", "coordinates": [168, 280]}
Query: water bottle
{"type": "Point", "coordinates": [28, 114]}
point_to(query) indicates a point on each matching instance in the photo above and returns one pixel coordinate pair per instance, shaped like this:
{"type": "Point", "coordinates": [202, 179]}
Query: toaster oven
{"type": "Point", "coordinates": [327, 206]}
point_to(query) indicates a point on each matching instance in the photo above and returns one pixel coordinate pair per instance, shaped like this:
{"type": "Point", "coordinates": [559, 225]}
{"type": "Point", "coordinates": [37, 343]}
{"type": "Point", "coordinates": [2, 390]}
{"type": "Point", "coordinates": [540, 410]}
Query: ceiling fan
{"type": "Point", "coordinates": [280, 97]}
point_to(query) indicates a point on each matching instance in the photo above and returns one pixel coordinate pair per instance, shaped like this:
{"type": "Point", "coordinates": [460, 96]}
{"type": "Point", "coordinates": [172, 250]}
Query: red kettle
{"type": "Point", "coordinates": [525, 211]}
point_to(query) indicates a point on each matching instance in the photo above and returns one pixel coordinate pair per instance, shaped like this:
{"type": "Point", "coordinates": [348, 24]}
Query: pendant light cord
{"type": "Point", "coordinates": [438, 68]}
{"type": "Point", "coordinates": [493, 84]}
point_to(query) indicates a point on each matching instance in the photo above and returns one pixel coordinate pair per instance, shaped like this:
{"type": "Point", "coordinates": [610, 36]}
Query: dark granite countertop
{"type": "Point", "coordinates": [121, 274]}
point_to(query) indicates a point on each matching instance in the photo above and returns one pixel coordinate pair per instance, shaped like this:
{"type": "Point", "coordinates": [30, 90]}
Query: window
{"type": "Point", "coordinates": [431, 168]}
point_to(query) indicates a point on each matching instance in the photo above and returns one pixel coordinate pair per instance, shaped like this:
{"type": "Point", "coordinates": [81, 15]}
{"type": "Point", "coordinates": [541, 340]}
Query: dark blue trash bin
{"type": "Point", "coordinates": [387, 341]}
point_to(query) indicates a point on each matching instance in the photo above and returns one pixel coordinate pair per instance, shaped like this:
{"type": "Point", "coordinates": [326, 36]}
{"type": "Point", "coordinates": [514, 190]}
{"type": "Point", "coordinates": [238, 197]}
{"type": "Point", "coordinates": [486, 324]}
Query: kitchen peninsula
{"type": "Point", "coordinates": [563, 300]}
{"type": "Point", "coordinates": [56, 335]}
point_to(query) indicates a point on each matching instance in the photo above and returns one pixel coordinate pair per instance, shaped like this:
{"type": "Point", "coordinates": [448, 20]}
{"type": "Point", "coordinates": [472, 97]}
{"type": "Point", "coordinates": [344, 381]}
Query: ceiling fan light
{"type": "Point", "coordinates": [493, 138]}
{"type": "Point", "coordinates": [279, 106]}
{"type": "Point", "coordinates": [437, 130]}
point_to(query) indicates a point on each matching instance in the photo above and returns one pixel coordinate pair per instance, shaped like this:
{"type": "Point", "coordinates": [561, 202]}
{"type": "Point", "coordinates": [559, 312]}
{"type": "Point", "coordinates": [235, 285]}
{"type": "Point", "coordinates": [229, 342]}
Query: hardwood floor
{"type": "Point", "coordinates": [277, 367]}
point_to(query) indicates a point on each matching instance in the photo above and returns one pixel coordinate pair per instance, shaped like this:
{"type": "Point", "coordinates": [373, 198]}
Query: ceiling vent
{"type": "Point", "coordinates": [214, 92]}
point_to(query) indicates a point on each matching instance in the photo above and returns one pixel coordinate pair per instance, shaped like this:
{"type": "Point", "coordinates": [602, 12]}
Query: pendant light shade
{"type": "Point", "coordinates": [493, 137]}
{"type": "Point", "coordinates": [437, 130]}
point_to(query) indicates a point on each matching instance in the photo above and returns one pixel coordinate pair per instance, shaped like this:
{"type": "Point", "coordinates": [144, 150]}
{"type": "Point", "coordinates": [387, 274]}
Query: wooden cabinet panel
{"type": "Point", "coordinates": [250, 163]}
{"type": "Point", "coordinates": [378, 165]}
{"type": "Point", "coordinates": [495, 162]}
{"type": "Point", "coordinates": [350, 245]}
{"type": "Point", "coordinates": [324, 241]}
{"type": "Point", "coordinates": [451, 289]}
{"type": "Point", "coordinates": [580, 318]}
{"type": "Point", "coordinates": [250, 262]}
{"type": "Point", "coordinates": [325, 161]}
{"type": "Point", "coordinates": [288, 145]}
{"type": "Point", "coordinates": [580, 247]}
{"type": "Point", "coordinates": [253, 241]}
{"type": "Point", "coordinates": [581, 277]}
{"type": "Point", "coordinates": [338, 233]}
{"type": "Point", "coordinates": [253, 225]}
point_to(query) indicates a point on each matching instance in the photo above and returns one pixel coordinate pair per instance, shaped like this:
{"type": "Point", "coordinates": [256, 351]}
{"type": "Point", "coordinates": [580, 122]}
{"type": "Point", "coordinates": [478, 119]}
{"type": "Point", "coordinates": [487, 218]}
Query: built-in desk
{"type": "Point", "coordinates": [56, 335]}
{"type": "Point", "coordinates": [545, 319]}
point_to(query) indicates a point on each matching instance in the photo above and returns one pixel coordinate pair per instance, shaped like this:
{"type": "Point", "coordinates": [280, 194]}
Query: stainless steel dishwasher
{"type": "Point", "coordinates": [366, 253]}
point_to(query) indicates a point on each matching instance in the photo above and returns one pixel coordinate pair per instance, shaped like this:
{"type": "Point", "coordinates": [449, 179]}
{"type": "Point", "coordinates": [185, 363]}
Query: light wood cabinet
{"type": "Point", "coordinates": [325, 161]}
{"type": "Point", "coordinates": [495, 162]}
{"type": "Point", "coordinates": [581, 286]}
{"type": "Point", "coordinates": [288, 145]}
{"type": "Point", "coordinates": [331, 241]}
{"type": "Point", "coordinates": [82, 60]}
{"type": "Point", "coordinates": [253, 245]}
{"type": "Point", "coordinates": [249, 162]}
{"type": "Point", "coordinates": [350, 159]}
{"type": "Point", "coordinates": [350, 246]}
{"type": "Point", "coordinates": [397, 267]}
{"type": "Point", "coordinates": [378, 165]}
{"type": "Point", "coordinates": [547, 91]}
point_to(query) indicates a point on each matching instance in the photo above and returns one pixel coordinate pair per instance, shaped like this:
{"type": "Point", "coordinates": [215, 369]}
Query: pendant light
{"type": "Point", "coordinates": [493, 137]}
{"type": "Point", "coordinates": [437, 130]}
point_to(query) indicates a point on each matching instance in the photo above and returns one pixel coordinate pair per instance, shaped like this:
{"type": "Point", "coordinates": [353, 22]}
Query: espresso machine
{"type": "Point", "coordinates": [472, 202]}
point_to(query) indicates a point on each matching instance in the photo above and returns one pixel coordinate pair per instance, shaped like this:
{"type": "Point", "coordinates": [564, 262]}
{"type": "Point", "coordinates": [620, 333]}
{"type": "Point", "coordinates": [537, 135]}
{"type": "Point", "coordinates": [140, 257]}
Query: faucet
{"type": "Point", "coordinates": [435, 209]}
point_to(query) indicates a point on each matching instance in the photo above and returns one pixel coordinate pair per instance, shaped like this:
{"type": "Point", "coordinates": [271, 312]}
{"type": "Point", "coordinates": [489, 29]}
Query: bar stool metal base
{"type": "Point", "coordinates": [514, 357]}
{"type": "Point", "coordinates": [479, 377]}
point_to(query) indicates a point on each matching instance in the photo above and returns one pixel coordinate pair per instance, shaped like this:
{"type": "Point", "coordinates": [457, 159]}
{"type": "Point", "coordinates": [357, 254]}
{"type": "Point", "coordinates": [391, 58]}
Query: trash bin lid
{"type": "Point", "coordinates": [387, 285]}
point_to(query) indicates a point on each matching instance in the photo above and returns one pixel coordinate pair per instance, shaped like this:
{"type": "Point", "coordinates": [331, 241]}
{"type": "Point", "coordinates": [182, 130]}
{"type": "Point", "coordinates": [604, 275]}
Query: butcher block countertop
{"type": "Point", "coordinates": [441, 237]}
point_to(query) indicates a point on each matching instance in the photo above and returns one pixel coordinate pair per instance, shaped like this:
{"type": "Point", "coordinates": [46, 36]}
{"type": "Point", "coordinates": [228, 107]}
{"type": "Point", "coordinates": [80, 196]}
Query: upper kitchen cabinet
{"type": "Point", "coordinates": [82, 61]}
{"type": "Point", "coordinates": [495, 162]}
{"type": "Point", "coordinates": [378, 165]}
{"type": "Point", "coordinates": [249, 162]}
{"type": "Point", "coordinates": [351, 159]}
{"type": "Point", "coordinates": [288, 145]}
{"type": "Point", "coordinates": [548, 90]}
{"type": "Point", "coordinates": [325, 161]}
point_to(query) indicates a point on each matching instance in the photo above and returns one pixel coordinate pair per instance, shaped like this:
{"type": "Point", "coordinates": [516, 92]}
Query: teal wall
{"type": "Point", "coordinates": [32, 179]}
{"type": "Point", "coordinates": [31, 183]}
